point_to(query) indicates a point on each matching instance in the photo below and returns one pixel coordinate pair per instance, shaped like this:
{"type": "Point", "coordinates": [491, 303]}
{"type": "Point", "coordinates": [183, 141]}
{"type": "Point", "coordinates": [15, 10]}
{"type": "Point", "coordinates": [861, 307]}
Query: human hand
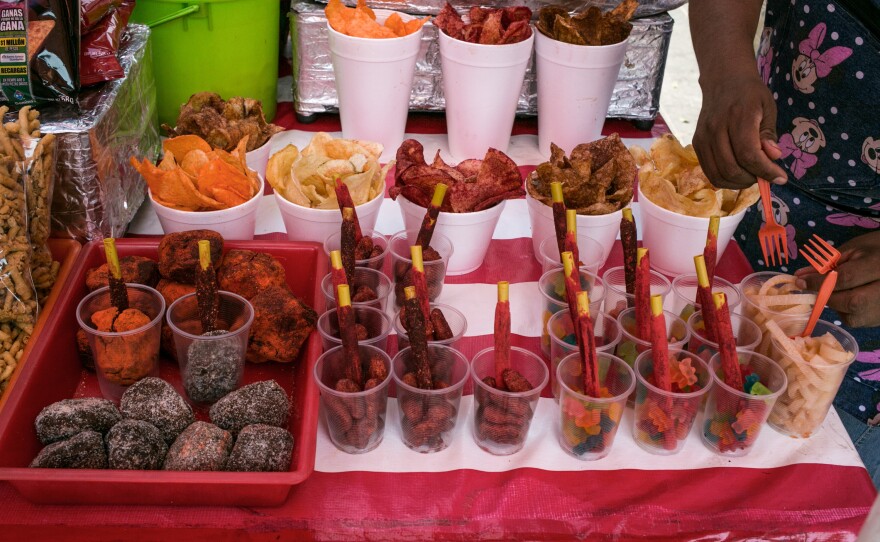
{"type": "Point", "coordinates": [735, 138]}
{"type": "Point", "coordinates": [857, 294]}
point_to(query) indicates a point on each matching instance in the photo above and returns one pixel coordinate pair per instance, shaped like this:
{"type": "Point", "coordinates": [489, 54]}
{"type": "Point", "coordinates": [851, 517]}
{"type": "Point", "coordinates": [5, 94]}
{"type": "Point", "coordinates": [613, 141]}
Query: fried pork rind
{"type": "Point", "coordinates": [360, 22]}
{"type": "Point", "coordinates": [671, 177]}
{"type": "Point", "coordinates": [473, 185]}
{"type": "Point", "coordinates": [588, 27]}
{"type": "Point", "coordinates": [486, 26]}
{"type": "Point", "coordinates": [597, 178]}
{"type": "Point", "coordinates": [223, 124]}
{"type": "Point", "coordinates": [308, 178]}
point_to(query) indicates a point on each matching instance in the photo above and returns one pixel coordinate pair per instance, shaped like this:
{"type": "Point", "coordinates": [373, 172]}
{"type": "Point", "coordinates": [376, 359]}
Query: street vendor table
{"type": "Point", "coordinates": [786, 489]}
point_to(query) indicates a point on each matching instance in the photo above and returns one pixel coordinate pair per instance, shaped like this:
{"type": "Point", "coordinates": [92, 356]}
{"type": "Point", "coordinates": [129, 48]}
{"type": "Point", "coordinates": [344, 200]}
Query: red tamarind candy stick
{"type": "Point", "coordinates": [337, 273]}
{"type": "Point", "coordinates": [118, 292]}
{"type": "Point", "coordinates": [420, 283]}
{"type": "Point", "coordinates": [704, 297]}
{"type": "Point", "coordinates": [629, 240]}
{"type": "Point", "coordinates": [426, 231]}
{"type": "Point", "coordinates": [343, 197]}
{"type": "Point", "coordinates": [207, 292]}
{"type": "Point", "coordinates": [558, 215]}
{"type": "Point", "coordinates": [643, 295]}
{"type": "Point", "coordinates": [348, 335]}
{"type": "Point", "coordinates": [348, 242]}
{"type": "Point", "coordinates": [727, 344]}
{"type": "Point", "coordinates": [502, 333]}
{"type": "Point", "coordinates": [587, 346]}
{"type": "Point", "coordinates": [660, 345]}
{"type": "Point", "coordinates": [418, 340]}
{"type": "Point", "coordinates": [570, 243]}
{"type": "Point", "coordinates": [571, 276]}
{"type": "Point", "coordinates": [710, 251]}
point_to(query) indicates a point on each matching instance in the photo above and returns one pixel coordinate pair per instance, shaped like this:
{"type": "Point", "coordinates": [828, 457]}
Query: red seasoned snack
{"type": "Point", "coordinates": [135, 269]}
{"type": "Point", "coordinates": [126, 359]}
{"type": "Point", "coordinates": [201, 447]}
{"type": "Point", "coordinates": [364, 294]}
{"type": "Point", "coordinates": [171, 291]}
{"type": "Point", "coordinates": [282, 323]}
{"type": "Point", "coordinates": [474, 185]}
{"type": "Point", "coordinates": [248, 273]}
{"type": "Point", "coordinates": [487, 26]}
{"type": "Point", "coordinates": [207, 293]}
{"type": "Point", "coordinates": [179, 253]}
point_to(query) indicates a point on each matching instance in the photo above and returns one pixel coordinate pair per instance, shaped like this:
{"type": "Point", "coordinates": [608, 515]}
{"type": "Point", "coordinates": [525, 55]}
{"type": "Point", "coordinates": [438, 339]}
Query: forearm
{"type": "Point", "coordinates": [723, 32]}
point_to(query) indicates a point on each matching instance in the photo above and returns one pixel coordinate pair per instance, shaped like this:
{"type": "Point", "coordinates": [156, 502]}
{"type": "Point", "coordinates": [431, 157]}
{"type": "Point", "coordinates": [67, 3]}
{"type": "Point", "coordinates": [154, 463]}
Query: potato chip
{"type": "Point", "coordinates": [588, 27]}
{"type": "Point", "coordinates": [223, 182]}
{"type": "Point", "coordinates": [181, 145]}
{"type": "Point", "coordinates": [194, 161]}
{"type": "Point", "coordinates": [360, 22]}
{"type": "Point", "coordinates": [174, 188]}
{"type": "Point", "coordinates": [486, 26]}
{"type": "Point", "coordinates": [396, 24]}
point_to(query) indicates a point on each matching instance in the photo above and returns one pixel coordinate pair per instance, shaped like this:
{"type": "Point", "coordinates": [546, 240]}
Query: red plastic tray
{"type": "Point", "coordinates": [54, 373]}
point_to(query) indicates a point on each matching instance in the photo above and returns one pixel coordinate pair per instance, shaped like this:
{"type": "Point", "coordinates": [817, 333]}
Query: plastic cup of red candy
{"type": "Point", "coordinates": [370, 288]}
{"type": "Point", "coordinates": [733, 418]}
{"type": "Point", "coordinates": [428, 416]}
{"type": "Point", "coordinates": [745, 332]}
{"type": "Point", "coordinates": [663, 419]}
{"type": "Point", "coordinates": [449, 335]}
{"type": "Point", "coordinates": [552, 287]}
{"type": "Point", "coordinates": [376, 258]}
{"type": "Point", "coordinates": [355, 418]}
{"type": "Point", "coordinates": [501, 417]}
{"type": "Point", "coordinates": [588, 424]}
{"type": "Point", "coordinates": [373, 327]}
{"type": "Point", "coordinates": [630, 346]}
{"type": "Point", "coordinates": [435, 263]}
{"type": "Point", "coordinates": [563, 341]}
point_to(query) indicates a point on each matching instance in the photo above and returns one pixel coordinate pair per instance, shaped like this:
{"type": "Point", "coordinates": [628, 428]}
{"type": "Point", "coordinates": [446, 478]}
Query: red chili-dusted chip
{"type": "Point", "coordinates": [486, 26]}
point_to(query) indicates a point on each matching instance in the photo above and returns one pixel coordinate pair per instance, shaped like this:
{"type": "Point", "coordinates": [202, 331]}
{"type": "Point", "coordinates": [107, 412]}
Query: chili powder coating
{"type": "Point", "coordinates": [155, 401]}
{"type": "Point", "coordinates": [135, 445]}
{"type": "Point", "coordinates": [84, 450]}
{"type": "Point", "coordinates": [68, 417]}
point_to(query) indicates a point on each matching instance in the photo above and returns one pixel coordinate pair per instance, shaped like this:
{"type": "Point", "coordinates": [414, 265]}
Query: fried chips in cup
{"type": "Point", "coordinates": [587, 27]}
{"type": "Point", "coordinates": [308, 178]}
{"type": "Point", "coordinates": [671, 177]}
{"type": "Point", "coordinates": [360, 22]}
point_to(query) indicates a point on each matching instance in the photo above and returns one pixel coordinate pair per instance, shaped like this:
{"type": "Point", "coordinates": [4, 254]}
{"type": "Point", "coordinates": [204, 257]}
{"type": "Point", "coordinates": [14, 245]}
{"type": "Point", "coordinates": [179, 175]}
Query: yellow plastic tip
{"type": "Point", "coordinates": [583, 303]}
{"type": "Point", "coordinates": [628, 214]}
{"type": "Point", "coordinates": [503, 291]}
{"type": "Point", "coordinates": [204, 253]}
{"type": "Point", "coordinates": [415, 251]}
{"type": "Point", "coordinates": [439, 195]}
{"type": "Point", "coordinates": [556, 192]}
{"type": "Point", "coordinates": [409, 292]}
{"type": "Point", "coordinates": [702, 274]}
{"type": "Point", "coordinates": [344, 295]}
{"type": "Point", "coordinates": [714, 222]}
{"type": "Point", "coordinates": [657, 305]}
{"type": "Point", "coordinates": [336, 259]}
{"type": "Point", "coordinates": [567, 263]}
{"type": "Point", "coordinates": [571, 221]}
{"type": "Point", "coordinates": [112, 257]}
{"type": "Point", "coordinates": [720, 299]}
{"type": "Point", "coordinates": [639, 254]}
{"type": "Point", "coordinates": [347, 213]}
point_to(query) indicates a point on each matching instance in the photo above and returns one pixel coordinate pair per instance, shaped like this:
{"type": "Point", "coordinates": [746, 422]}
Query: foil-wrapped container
{"type": "Point", "coordinates": [636, 95]}
{"type": "Point", "coordinates": [97, 192]}
{"type": "Point", "coordinates": [433, 7]}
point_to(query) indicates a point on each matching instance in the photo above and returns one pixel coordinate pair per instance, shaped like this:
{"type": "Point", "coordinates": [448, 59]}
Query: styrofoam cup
{"type": "Point", "coordinates": [235, 223]}
{"type": "Point", "coordinates": [674, 239]}
{"type": "Point", "coordinates": [374, 80]}
{"type": "Point", "coordinates": [575, 83]}
{"type": "Point", "coordinates": [259, 157]}
{"type": "Point", "coordinates": [470, 233]}
{"type": "Point", "coordinates": [481, 86]}
{"type": "Point", "coordinates": [601, 228]}
{"type": "Point", "coordinates": [316, 225]}
{"type": "Point", "coordinates": [589, 251]}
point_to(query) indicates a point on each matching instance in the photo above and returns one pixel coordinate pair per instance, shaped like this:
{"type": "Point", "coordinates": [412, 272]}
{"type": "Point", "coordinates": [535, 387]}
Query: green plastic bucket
{"type": "Point", "coordinates": [224, 46]}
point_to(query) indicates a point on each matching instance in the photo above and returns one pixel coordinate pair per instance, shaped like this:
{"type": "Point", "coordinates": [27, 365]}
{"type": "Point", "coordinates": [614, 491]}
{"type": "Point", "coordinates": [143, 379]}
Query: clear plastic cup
{"type": "Point", "coordinates": [603, 229]}
{"type": "Point", "coordinates": [588, 424]}
{"type": "Point", "coordinates": [589, 250]}
{"type": "Point", "coordinates": [211, 365]}
{"type": "Point", "coordinates": [616, 298]}
{"type": "Point", "coordinates": [374, 79]}
{"type": "Point", "coordinates": [684, 300]}
{"type": "Point", "coordinates": [454, 317]}
{"type": "Point", "coordinates": [753, 308]}
{"type": "Point", "coordinates": [630, 345]}
{"type": "Point", "coordinates": [401, 263]}
{"type": "Point", "coordinates": [663, 419]}
{"type": "Point", "coordinates": [801, 409]}
{"type": "Point", "coordinates": [552, 287]}
{"type": "Point", "coordinates": [745, 332]}
{"type": "Point", "coordinates": [502, 418]}
{"type": "Point", "coordinates": [376, 323]}
{"type": "Point", "coordinates": [355, 420]}
{"type": "Point", "coordinates": [123, 358]}
{"type": "Point", "coordinates": [315, 225]}
{"type": "Point", "coordinates": [574, 112]}
{"type": "Point", "coordinates": [733, 418]}
{"type": "Point", "coordinates": [563, 342]}
{"type": "Point", "coordinates": [481, 87]}
{"type": "Point", "coordinates": [428, 417]}
{"type": "Point", "coordinates": [376, 262]}
{"type": "Point", "coordinates": [363, 276]}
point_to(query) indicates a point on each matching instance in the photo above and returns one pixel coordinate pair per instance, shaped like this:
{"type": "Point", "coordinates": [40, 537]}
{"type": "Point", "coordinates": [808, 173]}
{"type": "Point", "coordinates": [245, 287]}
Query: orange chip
{"type": "Point", "coordinates": [338, 15]}
{"type": "Point", "coordinates": [395, 23]}
{"type": "Point", "coordinates": [363, 26]}
{"type": "Point", "coordinates": [181, 145]}
{"type": "Point", "coordinates": [362, 6]}
{"type": "Point", "coordinates": [174, 188]}
{"type": "Point", "coordinates": [413, 25]}
{"type": "Point", "coordinates": [193, 162]}
{"type": "Point", "coordinates": [224, 182]}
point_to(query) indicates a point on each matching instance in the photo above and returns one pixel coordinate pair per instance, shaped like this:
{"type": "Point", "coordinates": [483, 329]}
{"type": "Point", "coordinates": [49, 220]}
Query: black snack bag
{"type": "Point", "coordinates": [39, 51]}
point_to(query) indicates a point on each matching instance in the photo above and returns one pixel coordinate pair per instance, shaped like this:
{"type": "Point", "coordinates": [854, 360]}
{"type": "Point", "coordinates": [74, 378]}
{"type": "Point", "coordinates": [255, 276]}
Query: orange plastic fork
{"type": "Point", "coordinates": [821, 300]}
{"type": "Point", "coordinates": [821, 255]}
{"type": "Point", "coordinates": [771, 235]}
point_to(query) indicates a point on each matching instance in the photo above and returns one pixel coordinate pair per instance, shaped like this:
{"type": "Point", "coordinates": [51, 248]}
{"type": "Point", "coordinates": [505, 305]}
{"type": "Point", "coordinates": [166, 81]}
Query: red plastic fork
{"type": "Point", "coordinates": [771, 235]}
{"type": "Point", "coordinates": [821, 255]}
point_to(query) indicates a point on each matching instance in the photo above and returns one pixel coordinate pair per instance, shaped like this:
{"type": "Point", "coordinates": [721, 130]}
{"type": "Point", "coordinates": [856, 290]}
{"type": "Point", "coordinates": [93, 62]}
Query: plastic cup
{"type": "Point", "coordinates": [674, 239]}
{"type": "Point", "coordinates": [745, 332]}
{"type": "Point", "coordinates": [589, 251]}
{"type": "Point", "coordinates": [803, 406]}
{"type": "Point", "coordinates": [733, 418]}
{"type": "Point", "coordinates": [316, 225]}
{"type": "Point", "coordinates": [684, 300]}
{"type": "Point", "coordinates": [630, 345]}
{"type": "Point", "coordinates": [603, 229]}
{"type": "Point", "coordinates": [355, 420]}
{"type": "Point", "coordinates": [428, 417]}
{"type": "Point", "coordinates": [754, 310]}
{"type": "Point", "coordinates": [377, 262]}
{"type": "Point", "coordinates": [363, 276]}
{"type": "Point", "coordinates": [235, 223]}
{"type": "Point", "coordinates": [123, 358]}
{"type": "Point", "coordinates": [616, 298]}
{"type": "Point", "coordinates": [454, 317]}
{"type": "Point", "coordinates": [663, 419]}
{"type": "Point", "coordinates": [573, 112]}
{"type": "Point", "coordinates": [563, 342]}
{"type": "Point", "coordinates": [502, 418]}
{"type": "Point", "coordinates": [258, 158]}
{"type": "Point", "coordinates": [374, 79]}
{"type": "Point", "coordinates": [401, 263]}
{"type": "Point", "coordinates": [376, 323]}
{"type": "Point", "coordinates": [588, 424]}
{"type": "Point", "coordinates": [211, 365]}
{"type": "Point", "coordinates": [470, 233]}
{"type": "Point", "coordinates": [552, 288]}
{"type": "Point", "coordinates": [481, 87]}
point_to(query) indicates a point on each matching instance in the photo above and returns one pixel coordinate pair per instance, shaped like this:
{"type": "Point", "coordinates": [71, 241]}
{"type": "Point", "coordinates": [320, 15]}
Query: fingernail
{"type": "Point", "coordinates": [771, 143]}
{"type": "Point", "coordinates": [800, 284]}
{"type": "Point", "coordinates": [780, 180]}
